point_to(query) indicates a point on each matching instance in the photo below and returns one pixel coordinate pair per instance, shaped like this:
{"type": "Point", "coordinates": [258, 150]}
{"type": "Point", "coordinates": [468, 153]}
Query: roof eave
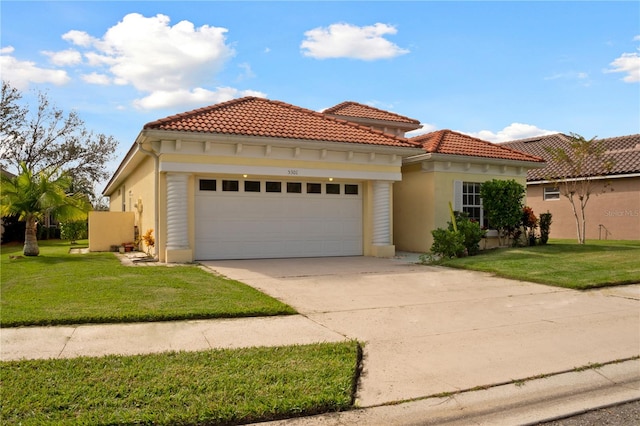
{"type": "Point", "coordinates": [431, 156]}
{"type": "Point", "coordinates": [154, 134]}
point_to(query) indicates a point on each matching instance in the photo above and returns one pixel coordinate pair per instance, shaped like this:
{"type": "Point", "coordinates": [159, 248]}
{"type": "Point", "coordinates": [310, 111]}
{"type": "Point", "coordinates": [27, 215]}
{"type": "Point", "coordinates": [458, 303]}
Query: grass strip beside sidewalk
{"type": "Point", "coordinates": [61, 288]}
{"type": "Point", "coordinates": [218, 387]}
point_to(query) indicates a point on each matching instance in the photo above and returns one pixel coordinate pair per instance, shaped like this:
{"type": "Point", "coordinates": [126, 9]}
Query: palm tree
{"type": "Point", "coordinates": [32, 196]}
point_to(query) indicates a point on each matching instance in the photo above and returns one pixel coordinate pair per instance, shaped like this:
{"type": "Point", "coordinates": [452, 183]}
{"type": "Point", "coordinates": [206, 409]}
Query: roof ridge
{"type": "Point", "coordinates": [337, 120]}
{"type": "Point", "coordinates": [347, 103]}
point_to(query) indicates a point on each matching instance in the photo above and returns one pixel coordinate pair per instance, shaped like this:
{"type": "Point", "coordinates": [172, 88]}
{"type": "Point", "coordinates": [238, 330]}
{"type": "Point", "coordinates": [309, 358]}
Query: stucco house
{"type": "Point", "coordinates": [258, 178]}
{"type": "Point", "coordinates": [450, 169]}
{"type": "Point", "coordinates": [613, 210]}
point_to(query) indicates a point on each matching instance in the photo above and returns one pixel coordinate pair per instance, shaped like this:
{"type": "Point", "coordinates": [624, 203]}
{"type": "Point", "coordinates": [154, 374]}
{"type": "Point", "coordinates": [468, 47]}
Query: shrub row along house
{"type": "Point", "coordinates": [257, 178]}
{"type": "Point", "coordinates": [613, 209]}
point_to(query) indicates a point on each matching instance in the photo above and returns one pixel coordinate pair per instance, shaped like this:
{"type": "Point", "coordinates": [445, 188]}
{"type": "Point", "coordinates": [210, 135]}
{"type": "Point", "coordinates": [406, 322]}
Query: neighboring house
{"type": "Point", "coordinates": [256, 178]}
{"type": "Point", "coordinates": [451, 169]}
{"type": "Point", "coordinates": [613, 210]}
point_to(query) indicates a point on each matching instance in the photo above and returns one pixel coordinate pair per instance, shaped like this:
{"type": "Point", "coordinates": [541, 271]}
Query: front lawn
{"type": "Point", "coordinates": [61, 288]}
{"type": "Point", "coordinates": [218, 387]}
{"type": "Point", "coordinates": [562, 263]}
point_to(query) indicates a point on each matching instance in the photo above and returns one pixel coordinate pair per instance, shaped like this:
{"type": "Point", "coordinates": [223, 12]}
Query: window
{"type": "Point", "coordinates": [230, 185]}
{"type": "Point", "coordinates": [551, 193]}
{"type": "Point", "coordinates": [314, 188]}
{"type": "Point", "coordinates": [472, 203]}
{"type": "Point", "coordinates": [332, 188]}
{"type": "Point", "coordinates": [294, 187]}
{"type": "Point", "coordinates": [251, 186]}
{"type": "Point", "coordinates": [207, 184]}
{"type": "Point", "coordinates": [351, 189]}
{"type": "Point", "coordinates": [273, 187]}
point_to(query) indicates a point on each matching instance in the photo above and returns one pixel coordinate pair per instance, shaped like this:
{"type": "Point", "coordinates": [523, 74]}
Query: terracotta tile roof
{"type": "Point", "coordinates": [450, 142]}
{"type": "Point", "coordinates": [252, 116]}
{"type": "Point", "coordinates": [354, 109]}
{"type": "Point", "coordinates": [624, 151]}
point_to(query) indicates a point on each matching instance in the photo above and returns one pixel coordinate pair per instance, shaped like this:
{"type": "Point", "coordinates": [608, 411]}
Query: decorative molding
{"type": "Point", "coordinates": [372, 156]}
{"type": "Point", "coordinates": [296, 152]}
{"type": "Point", "coordinates": [207, 146]}
{"type": "Point", "coordinates": [178, 145]}
{"type": "Point", "coordinates": [393, 158]}
{"type": "Point", "coordinates": [350, 155]}
{"type": "Point", "coordinates": [323, 154]}
{"type": "Point", "coordinates": [267, 150]}
{"type": "Point", "coordinates": [238, 148]}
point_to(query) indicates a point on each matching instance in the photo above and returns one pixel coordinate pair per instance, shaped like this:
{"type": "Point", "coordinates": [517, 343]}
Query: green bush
{"type": "Point", "coordinates": [545, 227]}
{"type": "Point", "coordinates": [74, 231]}
{"type": "Point", "coordinates": [447, 243]}
{"type": "Point", "coordinates": [471, 232]}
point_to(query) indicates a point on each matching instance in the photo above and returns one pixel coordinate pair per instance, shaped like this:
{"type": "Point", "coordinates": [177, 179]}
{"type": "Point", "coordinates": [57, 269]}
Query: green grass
{"type": "Point", "coordinates": [61, 288]}
{"type": "Point", "coordinates": [219, 387]}
{"type": "Point", "coordinates": [562, 263]}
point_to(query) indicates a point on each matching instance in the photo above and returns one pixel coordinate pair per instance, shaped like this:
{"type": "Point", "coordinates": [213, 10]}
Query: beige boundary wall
{"type": "Point", "coordinates": [108, 229]}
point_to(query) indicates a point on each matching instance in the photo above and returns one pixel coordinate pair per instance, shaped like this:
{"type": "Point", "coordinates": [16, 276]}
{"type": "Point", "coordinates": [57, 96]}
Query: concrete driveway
{"type": "Point", "coordinates": [430, 330]}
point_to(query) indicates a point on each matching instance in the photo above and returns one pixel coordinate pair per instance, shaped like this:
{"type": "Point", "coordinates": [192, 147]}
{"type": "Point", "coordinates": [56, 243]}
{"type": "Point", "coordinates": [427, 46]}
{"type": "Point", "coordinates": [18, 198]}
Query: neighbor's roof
{"type": "Point", "coordinates": [623, 151]}
{"type": "Point", "coordinates": [252, 116]}
{"type": "Point", "coordinates": [454, 143]}
{"type": "Point", "coordinates": [356, 110]}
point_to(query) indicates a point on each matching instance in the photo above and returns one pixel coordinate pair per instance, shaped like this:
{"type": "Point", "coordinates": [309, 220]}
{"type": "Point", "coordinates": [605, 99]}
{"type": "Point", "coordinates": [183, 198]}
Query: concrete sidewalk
{"type": "Point", "coordinates": [143, 338]}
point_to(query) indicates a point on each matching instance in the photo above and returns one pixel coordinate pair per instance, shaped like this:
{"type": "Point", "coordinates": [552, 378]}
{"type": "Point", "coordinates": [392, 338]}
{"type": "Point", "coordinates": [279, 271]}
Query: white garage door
{"type": "Point", "coordinates": [247, 219]}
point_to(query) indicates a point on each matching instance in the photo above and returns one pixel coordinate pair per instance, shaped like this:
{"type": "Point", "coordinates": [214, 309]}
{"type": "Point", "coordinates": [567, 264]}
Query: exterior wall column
{"type": "Point", "coordinates": [178, 249]}
{"type": "Point", "coordinates": [381, 219]}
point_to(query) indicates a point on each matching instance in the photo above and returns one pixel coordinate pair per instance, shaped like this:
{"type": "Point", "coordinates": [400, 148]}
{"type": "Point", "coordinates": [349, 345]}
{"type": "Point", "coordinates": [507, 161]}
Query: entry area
{"type": "Point", "coordinates": [272, 218]}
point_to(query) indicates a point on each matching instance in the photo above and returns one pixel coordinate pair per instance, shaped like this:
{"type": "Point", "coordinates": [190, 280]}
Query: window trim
{"type": "Point", "coordinates": [552, 195]}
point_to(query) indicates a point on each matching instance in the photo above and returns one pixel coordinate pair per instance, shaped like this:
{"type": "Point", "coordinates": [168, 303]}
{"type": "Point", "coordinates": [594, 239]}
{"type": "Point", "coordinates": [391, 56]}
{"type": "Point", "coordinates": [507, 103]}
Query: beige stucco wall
{"type": "Point", "coordinates": [138, 194]}
{"type": "Point", "coordinates": [617, 209]}
{"type": "Point", "coordinates": [421, 199]}
{"type": "Point", "coordinates": [108, 229]}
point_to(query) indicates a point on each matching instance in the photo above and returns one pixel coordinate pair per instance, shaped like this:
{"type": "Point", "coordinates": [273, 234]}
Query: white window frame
{"type": "Point", "coordinates": [550, 193]}
{"type": "Point", "coordinates": [458, 198]}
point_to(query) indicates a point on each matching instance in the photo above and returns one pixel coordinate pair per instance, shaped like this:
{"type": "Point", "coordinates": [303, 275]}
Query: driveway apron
{"type": "Point", "coordinates": [432, 330]}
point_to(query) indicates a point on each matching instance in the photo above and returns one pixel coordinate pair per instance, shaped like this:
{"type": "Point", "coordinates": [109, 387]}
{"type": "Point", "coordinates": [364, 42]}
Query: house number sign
{"type": "Point", "coordinates": [292, 172]}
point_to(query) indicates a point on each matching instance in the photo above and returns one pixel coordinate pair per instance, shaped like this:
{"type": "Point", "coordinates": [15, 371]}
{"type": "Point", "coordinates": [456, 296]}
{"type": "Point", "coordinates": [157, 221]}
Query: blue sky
{"type": "Point", "coordinates": [496, 70]}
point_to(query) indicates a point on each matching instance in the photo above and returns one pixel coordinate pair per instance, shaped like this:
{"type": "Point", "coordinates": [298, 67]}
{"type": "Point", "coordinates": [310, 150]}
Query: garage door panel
{"type": "Point", "coordinates": [271, 225]}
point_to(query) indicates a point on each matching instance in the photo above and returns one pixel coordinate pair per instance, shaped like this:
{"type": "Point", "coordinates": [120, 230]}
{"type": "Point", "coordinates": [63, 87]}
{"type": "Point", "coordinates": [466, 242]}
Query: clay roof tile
{"type": "Point", "coordinates": [454, 143]}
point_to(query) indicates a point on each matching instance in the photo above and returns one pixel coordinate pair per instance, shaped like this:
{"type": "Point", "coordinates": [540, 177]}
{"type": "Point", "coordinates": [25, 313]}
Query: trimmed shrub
{"type": "Point", "coordinates": [545, 226]}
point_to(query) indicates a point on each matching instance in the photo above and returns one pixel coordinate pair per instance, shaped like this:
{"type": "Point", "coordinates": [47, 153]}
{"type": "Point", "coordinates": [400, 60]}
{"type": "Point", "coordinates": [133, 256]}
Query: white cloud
{"type": "Point", "coordinates": [185, 98]}
{"type": "Point", "coordinates": [96, 78]}
{"type": "Point", "coordinates": [64, 57]}
{"type": "Point", "coordinates": [628, 63]}
{"type": "Point", "coordinates": [22, 73]}
{"type": "Point", "coordinates": [512, 132]}
{"type": "Point", "coordinates": [247, 72]}
{"type": "Point", "coordinates": [349, 41]}
{"type": "Point", "coordinates": [426, 128]}
{"type": "Point", "coordinates": [79, 38]}
{"type": "Point", "coordinates": [172, 65]}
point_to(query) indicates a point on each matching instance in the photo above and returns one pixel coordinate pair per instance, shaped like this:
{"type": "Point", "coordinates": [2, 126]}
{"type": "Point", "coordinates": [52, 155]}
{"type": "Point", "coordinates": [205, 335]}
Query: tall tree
{"type": "Point", "coordinates": [581, 162]}
{"type": "Point", "coordinates": [43, 137]}
{"type": "Point", "coordinates": [32, 196]}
